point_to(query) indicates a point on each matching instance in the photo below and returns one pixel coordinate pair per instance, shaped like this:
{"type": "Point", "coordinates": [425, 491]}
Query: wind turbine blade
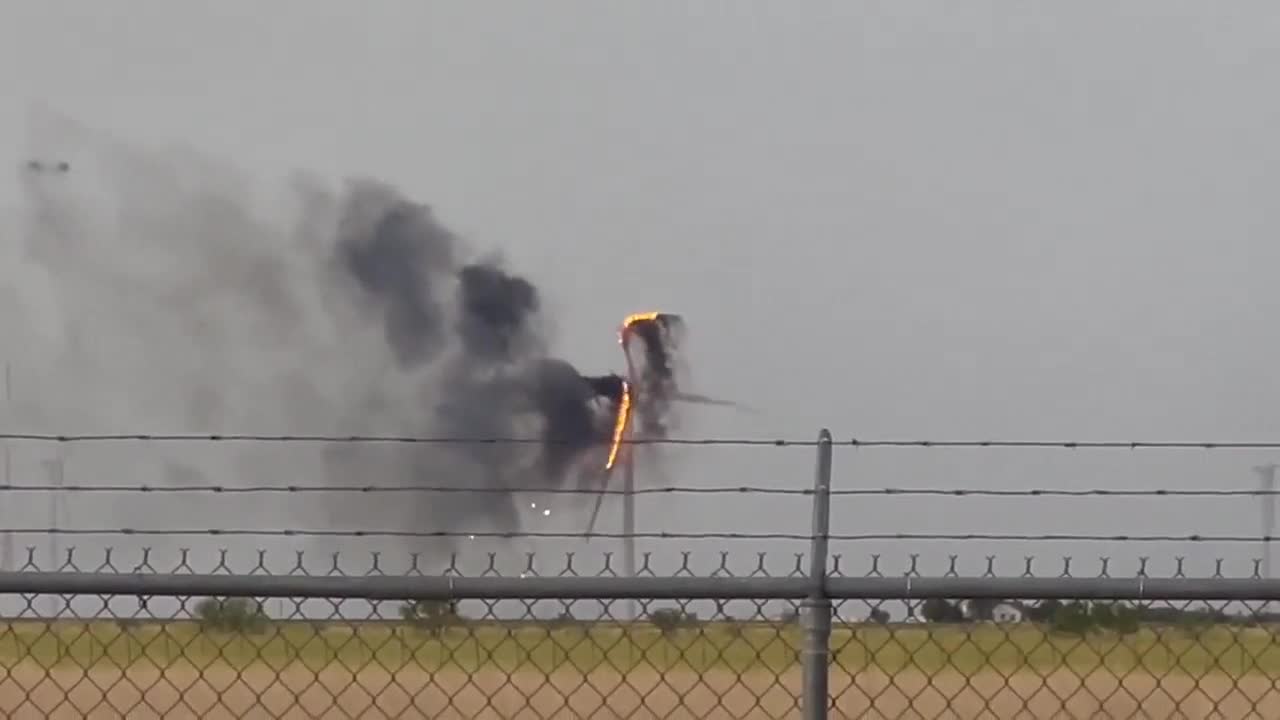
{"type": "Point", "coordinates": [696, 399]}
{"type": "Point", "coordinates": [595, 513]}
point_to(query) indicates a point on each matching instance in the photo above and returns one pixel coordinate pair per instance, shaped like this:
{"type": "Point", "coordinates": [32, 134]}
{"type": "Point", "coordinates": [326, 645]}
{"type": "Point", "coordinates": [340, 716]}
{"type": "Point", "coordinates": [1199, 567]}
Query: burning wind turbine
{"type": "Point", "coordinates": [648, 392]}
{"type": "Point", "coordinates": [642, 400]}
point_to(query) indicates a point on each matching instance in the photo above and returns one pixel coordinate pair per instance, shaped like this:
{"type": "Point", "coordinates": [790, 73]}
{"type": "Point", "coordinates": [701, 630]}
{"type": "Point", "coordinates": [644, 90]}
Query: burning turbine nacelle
{"type": "Point", "coordinates": [669, 327]}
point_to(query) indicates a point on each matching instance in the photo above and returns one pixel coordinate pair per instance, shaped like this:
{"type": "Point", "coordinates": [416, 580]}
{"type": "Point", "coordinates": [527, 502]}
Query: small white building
{"type": "Point", "coordinates": [1000, 612]}
{"type": "Point", "coordinates": [1007, 613]}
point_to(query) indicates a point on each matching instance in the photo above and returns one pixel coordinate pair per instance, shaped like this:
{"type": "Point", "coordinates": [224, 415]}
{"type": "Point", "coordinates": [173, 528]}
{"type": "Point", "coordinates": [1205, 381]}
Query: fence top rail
{"type": "Point", "coordinates": [530, 588]}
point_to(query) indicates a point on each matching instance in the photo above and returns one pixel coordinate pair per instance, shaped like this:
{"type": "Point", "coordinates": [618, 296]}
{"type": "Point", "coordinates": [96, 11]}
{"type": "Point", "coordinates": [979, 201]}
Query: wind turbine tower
{"type": "Point", "coordinates": [58, 517]}
{"type": "Point", "coordinates": [629, 519]}
{"type": "Point", "coordinates": [655, 382]}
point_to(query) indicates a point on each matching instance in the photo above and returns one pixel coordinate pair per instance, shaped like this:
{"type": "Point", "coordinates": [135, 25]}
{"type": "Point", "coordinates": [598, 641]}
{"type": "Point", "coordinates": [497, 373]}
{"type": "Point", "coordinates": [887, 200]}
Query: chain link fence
{"type": "Point", "coordinates": [495, 631]}
{"type": "Point", "coordinates": [220, 642]}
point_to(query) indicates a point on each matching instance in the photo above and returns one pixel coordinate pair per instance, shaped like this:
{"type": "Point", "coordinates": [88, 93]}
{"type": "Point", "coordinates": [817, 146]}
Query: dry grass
{"type": "Point", "coordinates": [78, 670]}
{"type": "Point", "coordinates": [32, 692]}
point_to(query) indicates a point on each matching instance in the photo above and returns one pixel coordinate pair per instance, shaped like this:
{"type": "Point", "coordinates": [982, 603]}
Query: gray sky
{"type": "Point", "coordinates": [908, 219]}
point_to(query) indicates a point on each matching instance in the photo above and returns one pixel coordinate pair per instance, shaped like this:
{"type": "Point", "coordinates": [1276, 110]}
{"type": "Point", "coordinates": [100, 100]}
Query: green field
{"type": "Point", "coordinates": [585, 648]}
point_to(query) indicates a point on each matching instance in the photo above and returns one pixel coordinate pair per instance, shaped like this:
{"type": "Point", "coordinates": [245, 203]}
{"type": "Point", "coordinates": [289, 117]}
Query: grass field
{"type": "Point", "coordinates": [725, 670]}
{"type": "Point", "coordinates": [738, 647]}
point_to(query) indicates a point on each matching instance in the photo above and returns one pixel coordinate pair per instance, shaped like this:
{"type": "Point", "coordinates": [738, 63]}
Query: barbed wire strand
{"type": "Point", "coordinates": [1058, 492]}
{"type": "Point", "coordinates": [763, 442]}
{"type": "Point", "coordinates": [673, 490]}
{"type": "Point", "coordinates": [1048, 537]}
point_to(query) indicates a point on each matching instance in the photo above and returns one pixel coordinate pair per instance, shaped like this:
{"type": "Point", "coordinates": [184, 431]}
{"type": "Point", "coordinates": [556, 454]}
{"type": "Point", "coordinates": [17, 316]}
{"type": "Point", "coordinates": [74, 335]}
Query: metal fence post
{"type": "Point", "coordinates": [816, 609]}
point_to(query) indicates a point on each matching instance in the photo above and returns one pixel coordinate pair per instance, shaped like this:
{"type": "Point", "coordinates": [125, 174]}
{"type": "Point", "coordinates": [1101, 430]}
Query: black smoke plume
{"type": "Point", "coordinates": [495, 312]}
{"type": "Point", "coordinates": [400, 255]}
{"type": "Point", "coordinates": [496, 378]}
{"type": "Point", "coordinates": [158, 290]}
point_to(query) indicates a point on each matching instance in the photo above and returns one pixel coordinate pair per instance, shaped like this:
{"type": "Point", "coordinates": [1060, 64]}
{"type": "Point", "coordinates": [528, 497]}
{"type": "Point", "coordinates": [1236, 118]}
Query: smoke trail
{"type": "Point", "coordinates": [399, 254]}
{"type": "Point", "coordinates": [496, 312]}
{"type": "Point", "coordinates": [498, 380]}
{"type": "Point", "coordinates": [175, 299]}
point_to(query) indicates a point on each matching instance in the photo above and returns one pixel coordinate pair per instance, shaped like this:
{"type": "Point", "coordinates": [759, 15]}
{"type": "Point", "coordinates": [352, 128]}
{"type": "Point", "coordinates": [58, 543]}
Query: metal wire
{"type": "Point", "coordinates": [1061, 492]}
{"type": "Point", "coordinates": [672, 490]}
{"type": "Point", "coordinates": [533, 534]}
{"type": "Point", "coordinates": [373, 439]}
{"type": "Point", "coordinates": [445, 489]}
{"type": "Point", "coordinates": [757, 442]}
{"type": "Point", "coordinates": [1068, 444]}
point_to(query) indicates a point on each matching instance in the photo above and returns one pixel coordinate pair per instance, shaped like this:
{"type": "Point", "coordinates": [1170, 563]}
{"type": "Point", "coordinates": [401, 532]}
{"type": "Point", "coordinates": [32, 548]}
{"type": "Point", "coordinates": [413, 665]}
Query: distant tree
{"type": "Point", "coordinates": [937, 610]}
{"type": "Point", "coordinates": [1116, 617]}
{"type": "Point", "coordinates": [982, 609]}
{"type": "Point", "coordinates": [565, 621]}
{"type": "Point", "coordinates": [1072, 618]}
{"type": "Point", "coordinates": [1081, 618]}
{"type": "Point", "coordinates": [1044, 611]}
{"type": "Point", "coordinates": [733, 627]}
{"type": "Point", "coordinates": [879, 616]}
{"type": "Point", "coordinates": [239, 615]}
{"type": "Point", "coordinates": [1185, 617]}
{"type": "Point", "coordinates": [431, 615]}
{"type": "Point", "coordinates": [671, 620]}
{"type": "Point", "coordinates": [1266, 618]}
{"type": "Point", "coordinates": [1102, 615]}
{"type": "Point", "coordinates": [1125, 619]}
{"type": "Point", "coordinates": [1197, 624]}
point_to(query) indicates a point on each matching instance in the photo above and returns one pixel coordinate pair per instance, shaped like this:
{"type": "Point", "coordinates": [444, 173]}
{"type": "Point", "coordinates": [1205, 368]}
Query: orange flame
{"type": "Point", "coordinates": [624, 404]}
{"type": "Point", "coordinates": [620, 425]}
{"type": "Point", "coordinates": [632, 320]}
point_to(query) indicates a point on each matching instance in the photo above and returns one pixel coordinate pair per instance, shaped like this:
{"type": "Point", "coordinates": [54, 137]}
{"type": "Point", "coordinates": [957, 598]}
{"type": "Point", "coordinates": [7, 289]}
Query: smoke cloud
{"type": "Point", "coordinates": [398, 254]}
{"type": "Point", "coordinates": [159, 291]}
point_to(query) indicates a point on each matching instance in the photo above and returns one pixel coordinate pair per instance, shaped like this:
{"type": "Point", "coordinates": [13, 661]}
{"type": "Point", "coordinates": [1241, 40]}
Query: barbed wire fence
{"type": "Point", "coordinates": [173, 619]}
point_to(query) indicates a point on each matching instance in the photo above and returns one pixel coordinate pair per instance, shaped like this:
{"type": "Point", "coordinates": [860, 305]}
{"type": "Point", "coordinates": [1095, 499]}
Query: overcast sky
{"type": "Point", "coordinates": [911, 219]}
